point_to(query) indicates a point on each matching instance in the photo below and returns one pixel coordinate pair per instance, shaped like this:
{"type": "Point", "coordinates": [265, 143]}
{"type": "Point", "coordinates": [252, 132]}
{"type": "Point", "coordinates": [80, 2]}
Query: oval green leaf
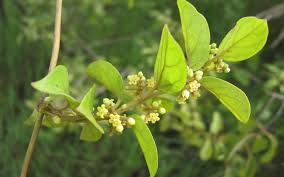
{"type": "Point", "coordinates": [105, 73]}
{"type": "Point", "coordinates": [246, 39]}
{"type": "Point", "coordinates": [231, 96]}
{"type": "Point", "coordinates": [86, 108]}
{"type": "Point", "coordinates": [90, 133]}
{"type": "Point", "coordinates": [147, 144]}
{"type": "Point", "coordinates": [170, 66]}
{"type": "Point", "coordinates": [196, 34]}
{"type": "Point", "coordinates": [56, 83]}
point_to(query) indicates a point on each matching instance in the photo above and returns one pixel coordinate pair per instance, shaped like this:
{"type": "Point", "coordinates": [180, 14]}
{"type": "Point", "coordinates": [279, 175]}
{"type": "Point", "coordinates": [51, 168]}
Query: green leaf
{"type": "Point", "coordinates": [206, 151]}
{"type": "Point", "coordinates": [246, 39]}
{"type": "Point", "coordinates": [216, 125]}
{"type": "Point", "coordinates": [231, 96]}
{"type": "Point", "coordinates": [105, 73]}
{"type": "Point", "coordinates": [270, 153]}
{"type": "Point", "coordinates": [56, 83]}
{"type": "Point", "coordinates": [86, 108]}
{"type": "Point", "coordinates": [147, 144]}
{"type": "Point", "coordinates": [90, 133]}
{"type": "Point", "coordinates": [196, 34]}
{"type": "Point", "coordinates": [170, 67]}
{"type": "Point", "coordinates": [32, 118]}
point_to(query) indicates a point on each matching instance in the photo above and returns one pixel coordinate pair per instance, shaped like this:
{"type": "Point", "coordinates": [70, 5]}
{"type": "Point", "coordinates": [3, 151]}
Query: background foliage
{"type": "Point", "coordinates": [127, 34]}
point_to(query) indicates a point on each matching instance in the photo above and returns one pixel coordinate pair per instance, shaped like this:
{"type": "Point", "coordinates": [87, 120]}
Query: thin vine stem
{"type": "Point", "coordinates": [52, 65]}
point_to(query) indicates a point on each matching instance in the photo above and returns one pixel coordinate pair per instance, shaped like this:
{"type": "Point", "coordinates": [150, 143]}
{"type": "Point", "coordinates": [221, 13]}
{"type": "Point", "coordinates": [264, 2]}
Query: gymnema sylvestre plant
{"type": "Point", "coordinates": [142, 101]}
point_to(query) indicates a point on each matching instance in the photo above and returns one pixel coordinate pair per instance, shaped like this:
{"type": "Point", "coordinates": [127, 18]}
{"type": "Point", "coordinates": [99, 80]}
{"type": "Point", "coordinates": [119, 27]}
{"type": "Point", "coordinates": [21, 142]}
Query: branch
{"type": "Point", "coordinates": [53, 62]}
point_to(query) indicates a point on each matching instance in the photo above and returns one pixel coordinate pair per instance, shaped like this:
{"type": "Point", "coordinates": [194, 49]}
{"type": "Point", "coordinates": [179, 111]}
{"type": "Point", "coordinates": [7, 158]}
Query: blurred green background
{"type": "Point", "coordinates": [127, 33]}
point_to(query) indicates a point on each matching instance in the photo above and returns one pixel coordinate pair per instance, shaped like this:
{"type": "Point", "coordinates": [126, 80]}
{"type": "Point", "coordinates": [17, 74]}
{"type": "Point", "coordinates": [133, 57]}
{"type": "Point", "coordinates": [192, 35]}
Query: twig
{"type": "Point", "coordinates": [53, 62]}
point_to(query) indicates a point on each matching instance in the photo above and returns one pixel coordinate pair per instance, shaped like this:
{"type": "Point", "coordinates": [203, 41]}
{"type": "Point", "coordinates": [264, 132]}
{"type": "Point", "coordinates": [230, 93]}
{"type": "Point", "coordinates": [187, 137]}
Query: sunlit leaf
{"type": "Point", "coordinates": [246, 39]}
{"type": "Point", "coordinates": [105, 73]}
{"type": "Point", "coordinates": [86, 108]}
{"type": "Point", "coordinates": [231, 96]}
{"type": "Point", "coordinates": [56, 83]}
{"type": "Point", "coordinates": [170, 66]}
{"type": "Point", "coordinates": [196, 34]}
{"type": "Point", "coordinates": [147, 144]}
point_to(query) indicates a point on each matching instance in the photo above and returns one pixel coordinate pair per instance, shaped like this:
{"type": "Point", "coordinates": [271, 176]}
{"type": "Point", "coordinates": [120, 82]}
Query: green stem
{"type": "Point", "coordinates": [139, 100]}
{"type": "Point", "coordinates": [31, 146]}
{"type": "Point", "coordinates": [53, 63]}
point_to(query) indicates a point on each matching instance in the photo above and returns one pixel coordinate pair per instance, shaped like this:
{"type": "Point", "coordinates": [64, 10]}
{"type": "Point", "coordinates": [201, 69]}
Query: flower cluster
{"type": "Point", "coordinates": [216, 64]}
{"type": "Point", "coordinates": [153, 112]}
{"type": "Point", "coordinates": [107, 111]}
{"type": "Point", "coordinates": [139, 82]}
{"type": "Point", "coordinates": [192, 86]}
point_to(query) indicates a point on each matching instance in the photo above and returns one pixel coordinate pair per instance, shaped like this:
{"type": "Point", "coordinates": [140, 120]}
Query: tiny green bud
{"type": "Point", "coordinates": [162, 110]}
{"type": "Point", "coordinates": [214, 51]}
{"type": "Point", "coordinates": [211, 56]}
{"type": "Point", "coordinates": [131, 121]}
{"type": "Point", "coordinates": [190, 72]}
{"type": "Point", "coordinates": [156, 104]}
{"type": "Point", "coordinates": [213, 46]}
{"type": "Point", "coordinates": [140, 74]}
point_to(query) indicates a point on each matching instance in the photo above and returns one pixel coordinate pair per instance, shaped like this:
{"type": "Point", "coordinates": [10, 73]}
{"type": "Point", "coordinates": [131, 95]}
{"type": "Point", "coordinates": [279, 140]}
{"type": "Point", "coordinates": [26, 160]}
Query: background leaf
{"type": "Point", "coordinates": [56, 83]}
{"type": "Point", "coordinates": [270, 153]}
{"type": "Point", "coordinates": [196, 34]}
{"type": "Point", "coordinates": [86, 108]}
{"type": "Point", "coordinates": [246, 39]}
{"type": "Point", "coordinates": [147, 144]}
{"type": "Point", "coordinates": [170, 66]}
{"type": "Point", "coordinates": [107, 74]}
{"type": "Point", "coordinates": [90, 133]}
{"type": "Point", "coordinates": [231, 96]}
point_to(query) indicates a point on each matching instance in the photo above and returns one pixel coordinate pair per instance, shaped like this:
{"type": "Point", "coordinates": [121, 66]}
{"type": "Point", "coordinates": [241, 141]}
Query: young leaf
{"type": "Point", "coordinates": [107, 74]}
{"type": "Point", "coordinates": [56, 83]}
{"type": "Point", "coordinates": [244, 40]}
{"type": "Point", "coordinates": [170, 66]}
{"type": "Point", "coordinates": [86, 108]}
{"type": "Point", "coordinates": [90, 133]}
{"type": "Point", "coordinates": [147, 145]}
{"type": "Point", "coordinates": [231, 96]}
{"type": "Point", "coordinates": [196, 34]}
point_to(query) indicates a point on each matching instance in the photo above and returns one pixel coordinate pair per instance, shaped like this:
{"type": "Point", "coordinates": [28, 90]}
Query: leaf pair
{"type": "Point", "coordinates": [57, 83]}
{"type": "Point", "coordinates": [246, 39]}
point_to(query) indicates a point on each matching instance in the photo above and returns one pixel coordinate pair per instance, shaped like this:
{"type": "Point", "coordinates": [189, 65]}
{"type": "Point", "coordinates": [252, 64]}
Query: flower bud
{"type": "Point", "coordinates": [213, 46]}
{"type": "Point", "coordinates": [227, 70]}
{"type": "Point", "coordinates": [162, 110]}
{"type": "Point", "coordinates": [156, 104]}
{"type": "Point", "coordinates": [119, 128]}
{"type": "Point", "coordinates": [185, 94]}
{"type": "Point", "coordinates": [131, 121]}
{"type": "Point", "coordinates": [124, 106]}
{"type": "Point", "coordinates": [198, 75]}
{"type": "Point", "coordinates": [190, 72]}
